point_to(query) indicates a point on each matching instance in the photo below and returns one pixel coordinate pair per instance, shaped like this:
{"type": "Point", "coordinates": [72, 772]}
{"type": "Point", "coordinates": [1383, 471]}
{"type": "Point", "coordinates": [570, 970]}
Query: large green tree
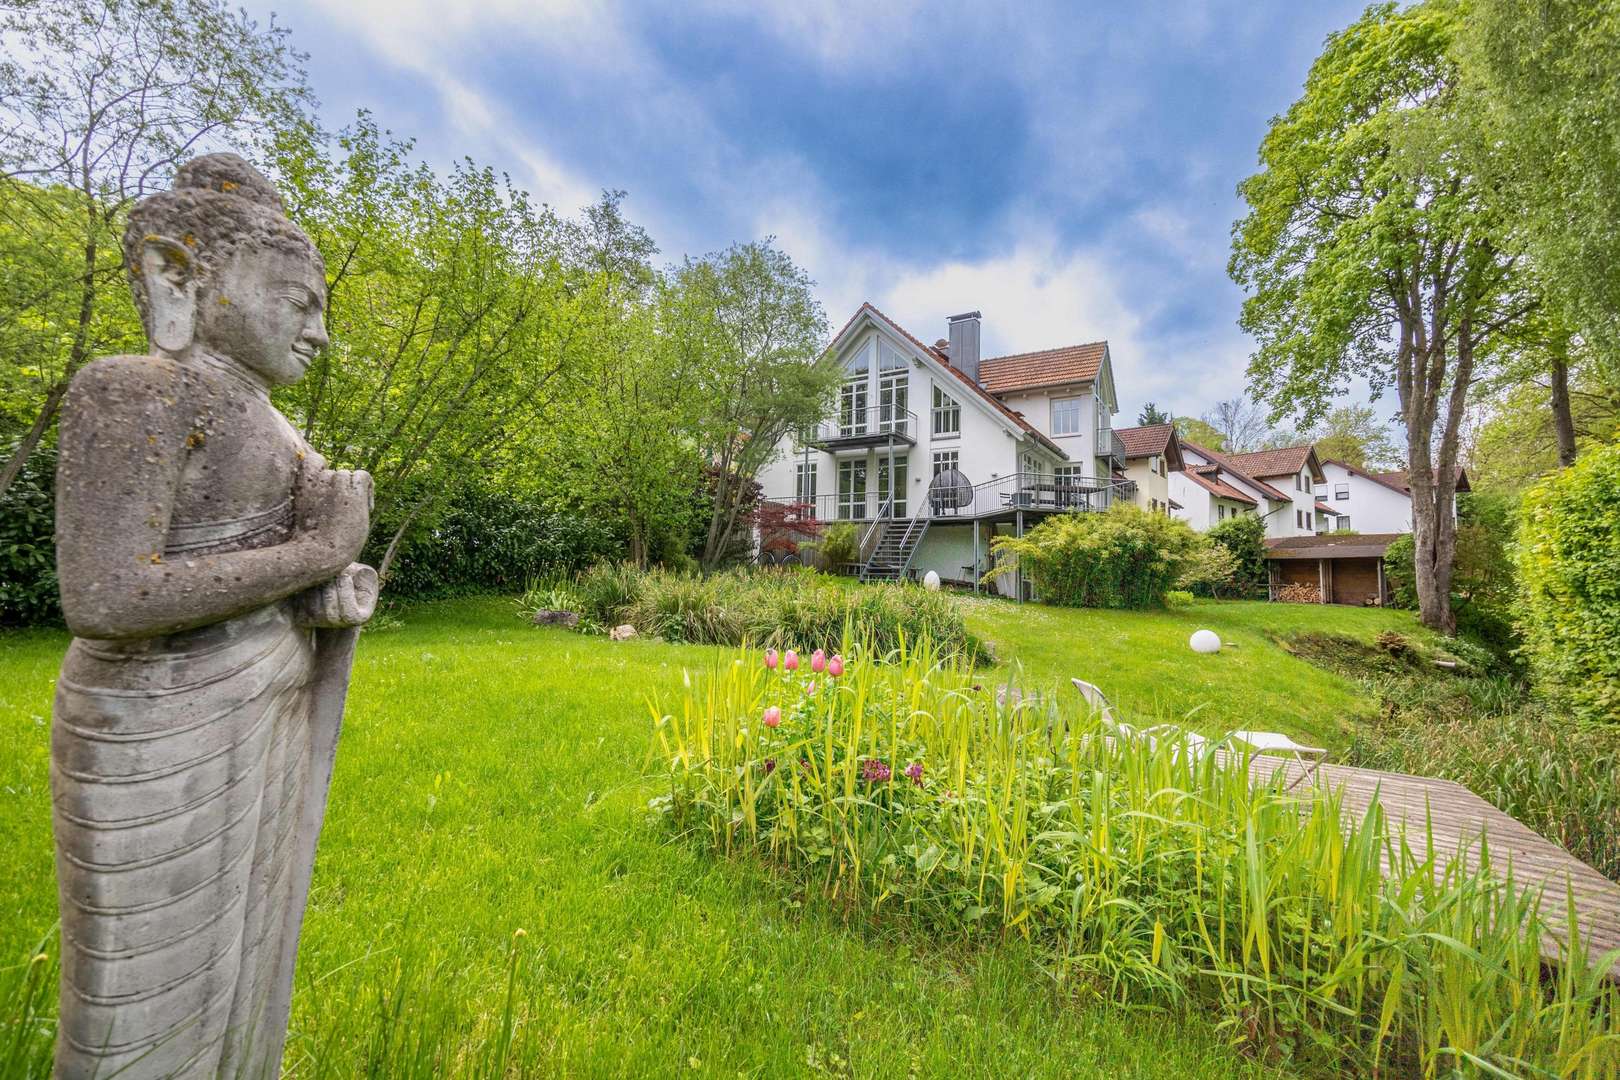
{"type": "Point", "coordinates": [1546, 76]}
{"type": "Point", "coordinates": [100, 100]}
{"type": "Point", "coordinates": [1371, 249]}
{"type": "Point", "coordinates": [449, 311]}
{"type": "Point", "coordinates": [747, 324]}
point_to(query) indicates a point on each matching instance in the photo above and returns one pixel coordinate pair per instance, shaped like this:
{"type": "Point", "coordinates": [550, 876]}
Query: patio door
{"type": "Point", "coordinates": [852, 491]}
{"type": "Point", "coordinates": [898, 490]}
{"type": "Point", "coordinates": [852, 407]}
{"type": "Point", "coordinates": [893, 400]}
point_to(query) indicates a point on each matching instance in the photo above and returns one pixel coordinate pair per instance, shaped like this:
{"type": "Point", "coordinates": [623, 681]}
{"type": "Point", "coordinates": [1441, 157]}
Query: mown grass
{"type": "Point", "coordinates": [493, 778]}
{"type": "Point", "coordinates": [1142, 662]}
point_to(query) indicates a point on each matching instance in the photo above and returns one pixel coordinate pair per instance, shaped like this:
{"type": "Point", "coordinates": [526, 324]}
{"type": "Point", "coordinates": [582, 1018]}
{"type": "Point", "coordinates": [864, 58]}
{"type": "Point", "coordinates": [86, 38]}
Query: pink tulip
{"type": "Point", "coordinates": [818, 661]}
{"type": "Point", "coordinates": [810, 687]}
{"type": "Point", "coordinates": [790, 661]}
{"type": "Point", "coordinates": [773, 716]}
{"type": "Point", "coordinates": [770, 659]}
{"type": "Point", "coordinates": [835, 666]}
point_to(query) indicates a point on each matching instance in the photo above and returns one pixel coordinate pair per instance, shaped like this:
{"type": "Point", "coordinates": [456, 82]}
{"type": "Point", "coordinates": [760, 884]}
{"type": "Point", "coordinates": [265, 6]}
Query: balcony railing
{"type": "Point", "coordinates": [873, 426]}
{"type": "Point", "coordinates": [1110, 446]}
{"type": "Point", "coordinates": [1017, 491]}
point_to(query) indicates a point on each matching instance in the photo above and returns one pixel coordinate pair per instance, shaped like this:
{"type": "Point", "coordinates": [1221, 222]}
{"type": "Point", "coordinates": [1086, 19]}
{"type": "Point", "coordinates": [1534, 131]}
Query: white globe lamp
{"type": "Point", "coordinates": [1205, 641]}
{"type": "Point", "coordinates": [931, 581]}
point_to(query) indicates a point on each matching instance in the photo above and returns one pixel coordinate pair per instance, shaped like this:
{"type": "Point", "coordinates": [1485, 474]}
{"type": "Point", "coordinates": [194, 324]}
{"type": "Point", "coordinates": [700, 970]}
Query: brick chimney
{"type": "Point", "coordinates": [964, 352]}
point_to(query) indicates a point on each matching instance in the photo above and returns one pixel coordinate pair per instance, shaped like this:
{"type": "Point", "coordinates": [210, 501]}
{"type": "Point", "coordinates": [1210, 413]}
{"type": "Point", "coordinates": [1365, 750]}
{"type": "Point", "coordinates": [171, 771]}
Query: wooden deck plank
{"type": "Point", "coordinates": [1459, 820]}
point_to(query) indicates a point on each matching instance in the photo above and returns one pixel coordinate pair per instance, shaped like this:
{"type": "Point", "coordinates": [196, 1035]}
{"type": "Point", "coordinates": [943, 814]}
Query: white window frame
{"type": "Point", "coordinates": [851, 505]}
{"type": "Point", "coordinates": [946, 459]}
{"type": "Point", "coordinates": [947, 415]}
{"type": "Point", "coordinates": [1058, 405]}
{"type": "Point", "coordinates": [1341, 492]}
{"type": "Point", "coordinates": [802, 491]}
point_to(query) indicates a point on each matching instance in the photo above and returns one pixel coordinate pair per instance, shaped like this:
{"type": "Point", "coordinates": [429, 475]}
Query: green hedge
{"type": "Point", "coordinates": [490, 541]}
{"type": "Point", "coordinates": [1245, 538]}
{"type": "Point", "coordinates": [1569, 566]}
{"type": "Point", "coordinates": [28, 594]}
{"type": "Point", "coordinates": [1123, 558]}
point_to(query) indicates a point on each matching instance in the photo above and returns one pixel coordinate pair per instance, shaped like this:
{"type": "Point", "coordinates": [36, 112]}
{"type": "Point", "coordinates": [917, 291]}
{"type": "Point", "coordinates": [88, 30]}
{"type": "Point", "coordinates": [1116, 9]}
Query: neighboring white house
{"type": "Point", "coordinates": [1369, 502]}
{"type": "Point", "coordinates": [1277, 485]}
{"type": "Point", "coordinates": [975, 447]}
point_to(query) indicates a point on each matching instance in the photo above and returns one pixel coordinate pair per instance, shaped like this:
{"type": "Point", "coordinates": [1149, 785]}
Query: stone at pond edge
{"type": "Point", "coordinates": [622, 632]}
{"type": "Point", "coordinates": [555, 617]}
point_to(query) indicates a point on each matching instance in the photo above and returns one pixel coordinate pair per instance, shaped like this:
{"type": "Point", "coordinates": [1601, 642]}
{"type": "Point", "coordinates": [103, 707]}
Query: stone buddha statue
{"type": "Point", "coordinates": [206, 557]}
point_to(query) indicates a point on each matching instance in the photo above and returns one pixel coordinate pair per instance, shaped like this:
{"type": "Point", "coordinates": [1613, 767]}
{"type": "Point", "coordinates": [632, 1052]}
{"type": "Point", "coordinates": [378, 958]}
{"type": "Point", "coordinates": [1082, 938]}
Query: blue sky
{"type": "Point", "coordinates": [1068, 169]}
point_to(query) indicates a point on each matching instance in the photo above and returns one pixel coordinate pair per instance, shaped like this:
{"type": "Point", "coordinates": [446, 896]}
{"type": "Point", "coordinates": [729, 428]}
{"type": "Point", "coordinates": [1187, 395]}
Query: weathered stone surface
{"type": "Point", "coordinates": [554, 617]}
{"type": "Point", "coordinates": [622, 632]}
{"type": "Point", "coordinates": [206, 557]}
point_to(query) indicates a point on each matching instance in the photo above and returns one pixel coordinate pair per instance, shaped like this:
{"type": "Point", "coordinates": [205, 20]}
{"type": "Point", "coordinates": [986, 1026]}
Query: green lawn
{"type": "Point", "coordinates": [491, 779]}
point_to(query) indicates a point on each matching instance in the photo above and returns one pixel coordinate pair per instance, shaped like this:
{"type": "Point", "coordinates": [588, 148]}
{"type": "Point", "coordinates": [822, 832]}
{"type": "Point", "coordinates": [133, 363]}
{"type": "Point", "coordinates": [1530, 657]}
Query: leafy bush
{"type": "Point", "coordinates": [1245, 537]}
{"type": "Point", "coordinates": [28, 593]}
{"type": "Point", "coordinates": [1122, 558]}
{"type": "Point", "coordinates": [1146, 872]}
{"type": "Point", "coordinates": [1400, 573]}
{"type": "Point", "coordinates": [788, 609]}
{"type": "Point", "coordinates": [837, 546]}
{"type": "Point", "coordinates": [489, 540]}
{"type": "Point", "coordinates": [1569, 563]}
{"type": "Point", "coordinates": [1211, 571]}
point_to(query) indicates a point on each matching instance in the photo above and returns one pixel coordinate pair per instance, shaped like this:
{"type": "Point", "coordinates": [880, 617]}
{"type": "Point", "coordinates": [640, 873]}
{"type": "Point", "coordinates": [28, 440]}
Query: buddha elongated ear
{"type": "Point", "coordinates": [169, 270]}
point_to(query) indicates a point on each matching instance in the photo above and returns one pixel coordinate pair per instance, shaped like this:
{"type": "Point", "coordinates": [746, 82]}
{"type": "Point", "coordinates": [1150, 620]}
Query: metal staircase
{"type": "Point", "coordinates": [896, 545]}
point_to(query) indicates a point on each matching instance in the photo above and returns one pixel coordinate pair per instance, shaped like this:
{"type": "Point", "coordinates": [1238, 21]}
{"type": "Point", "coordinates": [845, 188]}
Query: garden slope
{"type": "Point", "coordinates": [1142, 662]}
{"type": "Point", "coordinates": [491, 779]}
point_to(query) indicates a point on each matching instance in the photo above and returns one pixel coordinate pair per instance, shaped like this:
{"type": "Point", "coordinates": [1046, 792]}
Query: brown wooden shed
{"type": "Point", "coordinates": [1330, 569]}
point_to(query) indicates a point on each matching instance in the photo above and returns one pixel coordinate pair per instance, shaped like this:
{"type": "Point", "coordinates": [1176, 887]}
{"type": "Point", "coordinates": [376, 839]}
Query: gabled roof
{"type": "Point", "coordinates": [1209, 478]}
{"type": "Point", "coordinates": [940, 358]}
{"type": "Point", "coordinates": [1394, 479]}
{"type": "Point", "coordinates": [1398, 479]}
{"type": "Point", "coordinates": [1284, 461]}
{"type": "Point", "coordinates": [1226, 463]}
{"type": "Point", "coordinates": [1161, 439]}
{"type": "Point", "coordinates": [1048, 367]}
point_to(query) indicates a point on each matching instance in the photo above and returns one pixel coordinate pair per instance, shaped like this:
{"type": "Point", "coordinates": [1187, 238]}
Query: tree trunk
{"type": "Point", "coordinates": [53, 398]}
{"type": "Point", "coordinates": [1563, 418]}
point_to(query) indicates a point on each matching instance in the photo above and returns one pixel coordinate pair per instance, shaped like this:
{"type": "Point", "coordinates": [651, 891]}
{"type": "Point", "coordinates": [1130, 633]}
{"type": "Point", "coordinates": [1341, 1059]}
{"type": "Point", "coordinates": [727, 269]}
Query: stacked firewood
{"type": "Point", "coordinates": [1300, 594]}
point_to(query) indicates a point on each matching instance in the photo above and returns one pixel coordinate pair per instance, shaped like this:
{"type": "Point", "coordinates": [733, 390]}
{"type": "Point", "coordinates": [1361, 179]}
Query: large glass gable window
{"type": "Point", "coordinates": [893, 390]}
{"type": "Point", "coordinates": [1066, 416]}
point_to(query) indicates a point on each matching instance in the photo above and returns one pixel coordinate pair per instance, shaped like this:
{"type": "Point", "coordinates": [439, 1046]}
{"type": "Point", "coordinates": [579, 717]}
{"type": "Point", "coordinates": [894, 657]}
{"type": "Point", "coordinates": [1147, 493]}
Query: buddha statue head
{"type": "Point", "coordinates": [216, 267]}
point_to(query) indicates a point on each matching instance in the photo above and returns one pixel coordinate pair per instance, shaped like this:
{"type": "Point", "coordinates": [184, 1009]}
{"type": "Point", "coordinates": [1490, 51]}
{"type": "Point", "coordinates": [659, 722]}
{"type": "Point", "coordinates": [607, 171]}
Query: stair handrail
{"type": "Point", "coordinates": [883, 513]}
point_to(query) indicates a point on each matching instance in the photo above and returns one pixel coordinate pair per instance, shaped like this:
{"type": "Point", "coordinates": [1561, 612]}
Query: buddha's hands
{"type": "Point", "coordinates": [346, 600]}
{"type": "Point", "coordinates": [334, 507]}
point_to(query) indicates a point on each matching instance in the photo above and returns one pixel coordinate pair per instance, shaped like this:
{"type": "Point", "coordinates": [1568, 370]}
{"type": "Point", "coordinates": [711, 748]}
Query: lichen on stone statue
{"type": "Point", "coordinates": [207, 563]}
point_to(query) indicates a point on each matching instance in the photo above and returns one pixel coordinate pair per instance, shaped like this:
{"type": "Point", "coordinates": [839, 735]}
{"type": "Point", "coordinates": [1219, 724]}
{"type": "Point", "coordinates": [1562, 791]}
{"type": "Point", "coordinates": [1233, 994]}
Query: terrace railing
{"type": "Point", "coordinates": [1016, 491]}
{"type": "Point", "coordinates": [868, 426]}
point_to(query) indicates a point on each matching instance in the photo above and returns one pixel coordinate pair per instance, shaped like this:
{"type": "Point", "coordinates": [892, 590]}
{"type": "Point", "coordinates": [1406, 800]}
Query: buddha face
{"type": "Point", "coordinates": [264, 310]}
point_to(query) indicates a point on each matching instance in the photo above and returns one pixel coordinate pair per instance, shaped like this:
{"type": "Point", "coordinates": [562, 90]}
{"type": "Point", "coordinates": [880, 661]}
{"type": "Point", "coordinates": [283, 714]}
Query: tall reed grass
{"type": "Point", "coordinates": [911, 790]}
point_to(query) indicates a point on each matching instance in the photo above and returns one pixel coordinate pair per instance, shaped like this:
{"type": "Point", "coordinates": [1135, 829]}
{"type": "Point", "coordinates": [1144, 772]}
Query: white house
{"type": "Point", "coordinates": [1369, 502]}
{"type": "Point", "coordinates": [933, 450]}
{"type": "Point", "coordinates": [1276, 485]}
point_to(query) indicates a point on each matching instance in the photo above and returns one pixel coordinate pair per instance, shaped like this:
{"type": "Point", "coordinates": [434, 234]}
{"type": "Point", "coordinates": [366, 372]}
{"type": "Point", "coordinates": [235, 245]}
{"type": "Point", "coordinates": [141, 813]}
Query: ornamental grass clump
{"type": "Point", "coordinates": [909, 790]}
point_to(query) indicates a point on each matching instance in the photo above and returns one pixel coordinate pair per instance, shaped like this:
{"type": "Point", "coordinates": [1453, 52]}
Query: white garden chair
{"type": "Point", "coordinates": [1191, 741]}
{"type": "Point", "coordinates": [1308, 758]}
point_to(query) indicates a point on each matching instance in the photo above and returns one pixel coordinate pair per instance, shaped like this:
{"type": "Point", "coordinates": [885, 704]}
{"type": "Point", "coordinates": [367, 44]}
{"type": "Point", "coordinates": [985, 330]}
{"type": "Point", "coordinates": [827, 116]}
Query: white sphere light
{"type": "Point", "coordinates": [1205, 641]}
{"type": "Point", "coordinates": [931, 581]}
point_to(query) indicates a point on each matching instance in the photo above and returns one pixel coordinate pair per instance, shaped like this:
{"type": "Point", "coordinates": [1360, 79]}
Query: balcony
{"type": "Point", "coordinates": [1000, 499]}
{"type": "Point", "coordinates": [1110, 447]}
{"type": "Point", "coordinates": [858, 429]}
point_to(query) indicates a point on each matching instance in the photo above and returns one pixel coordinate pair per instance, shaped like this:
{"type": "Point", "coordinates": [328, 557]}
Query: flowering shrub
{"type": "Point", "coordinates": [906, 786]}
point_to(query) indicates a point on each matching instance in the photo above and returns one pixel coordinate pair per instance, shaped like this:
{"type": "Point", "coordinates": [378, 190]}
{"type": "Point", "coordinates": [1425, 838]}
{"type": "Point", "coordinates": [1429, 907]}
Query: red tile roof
{"type": "Point", "coordinates": [1285, 461]}
{"type": "Point", "coordinates": [1397, 478]}
{"type": "Point", "coordinates": [1324, 508]}
{"type": "Point", "coordinates": [1022, 424]}
{"type": "Point", "coordinates": [1240, 473]}
{"type": "Point", "coordinates": [1209, 478]}
{"type": "Point", "coordinates": [1048, 367]}
{"type": "Point", "coordinates": [1145, 441]}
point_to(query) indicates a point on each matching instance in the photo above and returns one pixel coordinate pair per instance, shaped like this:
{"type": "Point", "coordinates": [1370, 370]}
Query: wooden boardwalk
{"type": "Point", "coordinates": [1458, 819]}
